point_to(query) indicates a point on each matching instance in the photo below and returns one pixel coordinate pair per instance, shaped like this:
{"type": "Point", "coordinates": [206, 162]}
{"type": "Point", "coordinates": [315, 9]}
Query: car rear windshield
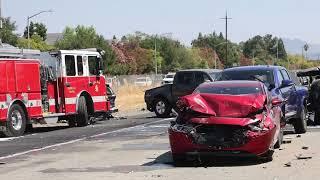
{"type": "Point", "coordinates": [263, 75]}
{"type": "Point", "coordinates": [234, 90]}
{"type": "Point", "coordinates": [169, 76]}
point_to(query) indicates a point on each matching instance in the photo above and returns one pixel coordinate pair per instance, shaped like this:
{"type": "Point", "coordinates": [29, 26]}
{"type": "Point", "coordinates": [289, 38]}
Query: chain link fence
{"type": "Point", "coordinates": [143, 81]}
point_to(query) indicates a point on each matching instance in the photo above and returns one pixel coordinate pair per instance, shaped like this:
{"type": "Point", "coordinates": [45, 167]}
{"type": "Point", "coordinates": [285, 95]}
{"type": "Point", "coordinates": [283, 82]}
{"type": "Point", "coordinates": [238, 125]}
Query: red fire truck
{"type": "Point", "coordinates": [35, 87]}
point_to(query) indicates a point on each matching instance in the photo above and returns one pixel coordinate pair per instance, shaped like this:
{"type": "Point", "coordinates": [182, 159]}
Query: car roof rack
{"type": "Point", "coordinates": [17, 53]}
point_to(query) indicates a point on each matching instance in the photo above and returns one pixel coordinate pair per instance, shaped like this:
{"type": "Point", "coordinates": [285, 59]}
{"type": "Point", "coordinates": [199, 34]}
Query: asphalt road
{"type": "Point", "coordinates": [45, 137]}
{"type": "Point", "coordinates": [42, 137]}
{"type": "Point", "coordinates": [137, 148]}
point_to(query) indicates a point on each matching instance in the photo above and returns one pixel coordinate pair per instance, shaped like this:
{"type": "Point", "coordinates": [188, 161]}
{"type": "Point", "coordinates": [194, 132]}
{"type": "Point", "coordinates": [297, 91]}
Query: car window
{"type": "Point", "coordinates": [279, 76]}
{"type": "Point", "coordinates": [285, 74]}
{"type": "Point", "coordinates": [93, 60]}
{"type": "Point", "coordinates": [184, 78]}
{"type": "Point", "coordinates": [201, 78]}
{"type": "Point", "coordinates": [70, 65]}
{"type": "Point", "coordinates": [79, 65]}
{"type": "Point", "coordinates": [264, 75]}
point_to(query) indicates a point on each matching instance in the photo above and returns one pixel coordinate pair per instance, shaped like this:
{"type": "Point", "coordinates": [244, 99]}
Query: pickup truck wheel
{"type": "Point", "coordinates": [16, 123]}
{"type": "Point", "coordinates": [82, 117]}
{"type": "Point", "coordinates": [162, 108]}
{"type": "Point", "coordinates": [317, 118]}
{"type": "Point", "coordinates": [300, 124]}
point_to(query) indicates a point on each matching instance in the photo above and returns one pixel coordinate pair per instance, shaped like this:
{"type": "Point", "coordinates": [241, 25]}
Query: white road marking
{"type": "Point", "coordinates": [77, 140]}
{"type": "Point", "coordinates": [6, 139]}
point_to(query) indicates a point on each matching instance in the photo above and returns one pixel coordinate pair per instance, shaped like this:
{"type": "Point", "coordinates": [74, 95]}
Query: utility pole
{"type": "Point", "coordinates": [28, 23]}
{"type": "Point", "coordinates": [226, 19]}
{"type": "Point", "coordinates": [155, 55]}
{"type": "Point", "coordinates": [1, 22]}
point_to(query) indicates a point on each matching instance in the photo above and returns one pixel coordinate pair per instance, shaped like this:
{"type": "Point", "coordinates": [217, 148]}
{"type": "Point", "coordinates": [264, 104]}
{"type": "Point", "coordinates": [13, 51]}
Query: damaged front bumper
{"type": "Point", "coordinates": [219, 140]}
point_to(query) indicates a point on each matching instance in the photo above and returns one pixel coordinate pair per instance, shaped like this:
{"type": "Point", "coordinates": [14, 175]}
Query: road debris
{"type": "Point", "coordinates": [288, 164]}
{"type": "Point", "coordinates": [305, 147]}
{"type": "Point", "coordinates": [286, 141]}
{"type": "Point", "coordinates": [2, 163]}
{"type": "Point", "coordinates": [299, 136]}
{"type": "Point", "coordinates": [301, 157]}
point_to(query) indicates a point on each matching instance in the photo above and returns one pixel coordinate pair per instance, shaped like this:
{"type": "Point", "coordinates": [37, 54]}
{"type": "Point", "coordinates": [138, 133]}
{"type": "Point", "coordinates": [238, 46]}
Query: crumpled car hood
{"type": "Point", "coordinates": [234, 106]}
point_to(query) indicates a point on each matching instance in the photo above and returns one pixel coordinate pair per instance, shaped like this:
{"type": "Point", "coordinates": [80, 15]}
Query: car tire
{"type": "Point", "coordinates": [317, 118]}
{"type": "Point", "coordinates": [179, 160]}
{"type": "Point", "coordinates": [82, 118]}
{"type": "Point", "coordinates": [267, 157]}
{"type": "Point", "coordinates": [16, 122]}
{"type": "Point", "coordinates": [162, 108]}
{"type": "Point", "coordinates": [300, 124]}
{"type": "Point", "coordinates": [280, 140]}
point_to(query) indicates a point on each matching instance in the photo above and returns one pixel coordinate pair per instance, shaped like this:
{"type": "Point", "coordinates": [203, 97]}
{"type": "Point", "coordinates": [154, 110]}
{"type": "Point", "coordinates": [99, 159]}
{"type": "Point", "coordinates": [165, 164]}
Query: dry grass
{"type": "Point", "coordinates": [130, 98]}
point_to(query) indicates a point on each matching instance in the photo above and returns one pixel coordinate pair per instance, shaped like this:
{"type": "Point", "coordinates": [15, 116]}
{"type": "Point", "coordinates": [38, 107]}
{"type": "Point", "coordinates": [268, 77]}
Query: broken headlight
{"type": "Point", "coordinates": [257, 126]}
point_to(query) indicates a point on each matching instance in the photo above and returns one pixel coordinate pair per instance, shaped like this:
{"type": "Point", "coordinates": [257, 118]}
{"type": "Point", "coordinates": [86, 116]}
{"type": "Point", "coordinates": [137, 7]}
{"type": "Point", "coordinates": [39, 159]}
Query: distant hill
{"type": "Point", "coordinates": [294, 46]}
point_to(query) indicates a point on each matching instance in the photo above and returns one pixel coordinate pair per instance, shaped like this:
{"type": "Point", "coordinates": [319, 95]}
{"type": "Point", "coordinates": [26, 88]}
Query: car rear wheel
{"type": "Point", "coordinates": [300, 124]}
{"type": "Point", "coordinates": [16, 122]}
{"type": "Point", "coordinates": [162, 108]}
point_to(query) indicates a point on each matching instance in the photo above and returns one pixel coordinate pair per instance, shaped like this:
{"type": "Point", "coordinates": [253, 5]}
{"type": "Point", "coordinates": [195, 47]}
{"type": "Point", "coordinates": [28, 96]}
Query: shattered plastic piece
{"type": "Point", "coordinates": [288, 164]}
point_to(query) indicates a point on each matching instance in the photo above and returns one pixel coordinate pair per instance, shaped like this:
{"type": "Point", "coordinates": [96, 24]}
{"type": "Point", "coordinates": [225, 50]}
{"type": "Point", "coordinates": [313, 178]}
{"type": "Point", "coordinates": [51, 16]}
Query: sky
{"type": "Point", "coordinates": [184, 19]}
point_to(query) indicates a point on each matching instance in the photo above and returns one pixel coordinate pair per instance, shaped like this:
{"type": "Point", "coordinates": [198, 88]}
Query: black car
{"type": "Point", "coordinates": [162, 99]}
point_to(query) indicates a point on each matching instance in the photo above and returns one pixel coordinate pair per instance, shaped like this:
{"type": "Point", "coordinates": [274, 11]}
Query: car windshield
{"type": "Point", "coordinates": [231, 90]}
{"type": "Point", "coordinates": [169, 76]}
{"type": "Point", "coordinates": [265, 76]}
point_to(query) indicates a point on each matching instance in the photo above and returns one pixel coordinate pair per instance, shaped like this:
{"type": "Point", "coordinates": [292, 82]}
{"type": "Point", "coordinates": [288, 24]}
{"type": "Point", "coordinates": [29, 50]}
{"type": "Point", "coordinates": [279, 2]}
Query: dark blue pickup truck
{"type": "Point", "coordinates": [281, 85]}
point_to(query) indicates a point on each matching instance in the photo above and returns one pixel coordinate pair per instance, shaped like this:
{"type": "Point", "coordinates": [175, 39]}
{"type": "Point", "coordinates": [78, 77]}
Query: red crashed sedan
{"type": "Point", "coordinates": [227, 118]}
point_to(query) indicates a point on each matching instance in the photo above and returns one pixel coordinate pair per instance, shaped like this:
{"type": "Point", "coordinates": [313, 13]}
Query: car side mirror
{"type": "Point", "coordinates": [286, 83]}
{"type": "Point", "coordinates": [276, 101]}
{"type": "Point", "coordinates": [271, 86]}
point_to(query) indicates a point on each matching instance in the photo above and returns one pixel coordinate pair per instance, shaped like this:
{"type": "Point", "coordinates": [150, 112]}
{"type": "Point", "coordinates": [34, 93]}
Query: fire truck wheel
{"type": "Point", "coordinates": [16, 123]}
{"type": "Point", "coordinates": [82, 116]}
{"type": "Point", "coordinates": [72, 121]}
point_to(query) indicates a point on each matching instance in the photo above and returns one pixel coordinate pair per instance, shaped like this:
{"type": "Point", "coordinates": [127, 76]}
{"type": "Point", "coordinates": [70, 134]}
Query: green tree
{"type": "Point", "coordinates": [83, 37]}
{"type": "Point", "coordinates": [35, 42]}
{"type": "Point", "coordinates": [264, 49]}
{"type": "Point", "coordinates": [217, 43]}
{"type": "Point", "coordinates": [36, 29]}
{"type": "Point", "coordinates": [7, 34]}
